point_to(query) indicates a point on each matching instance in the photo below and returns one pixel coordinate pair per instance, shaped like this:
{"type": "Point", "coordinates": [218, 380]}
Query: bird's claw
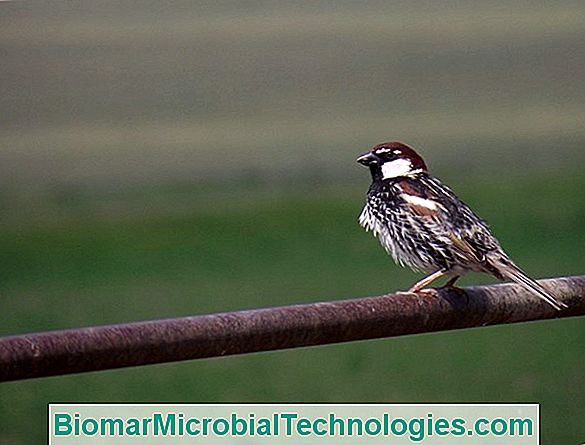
{"type": "Point", "coordinates": [428, 291]}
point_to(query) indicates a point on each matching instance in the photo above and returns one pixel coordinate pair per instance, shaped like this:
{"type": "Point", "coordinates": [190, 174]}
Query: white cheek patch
{"type": "Point", "coordinates": [396, 168]}
{"type": "Point", "coordinates": [421, 202]}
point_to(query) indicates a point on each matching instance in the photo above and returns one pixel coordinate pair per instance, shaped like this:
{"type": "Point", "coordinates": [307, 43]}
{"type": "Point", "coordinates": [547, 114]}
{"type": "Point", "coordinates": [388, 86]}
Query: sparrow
{"type": "Point", "coordinates": [425, 226]}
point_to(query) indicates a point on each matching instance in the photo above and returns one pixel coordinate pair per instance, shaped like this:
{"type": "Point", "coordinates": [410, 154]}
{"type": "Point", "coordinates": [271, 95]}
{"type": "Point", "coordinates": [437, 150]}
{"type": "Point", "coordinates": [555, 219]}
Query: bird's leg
{"type": "Point", "coordinates": [427, 280]}
{"type": "Point", "coordinates": [452, 281]}
{"type": "Point", "coordinates": [450, 286]}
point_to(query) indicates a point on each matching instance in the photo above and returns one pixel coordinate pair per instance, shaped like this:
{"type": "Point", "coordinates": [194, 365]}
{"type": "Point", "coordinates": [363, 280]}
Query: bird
{"type": "Point", "coordinates": [425, 226]}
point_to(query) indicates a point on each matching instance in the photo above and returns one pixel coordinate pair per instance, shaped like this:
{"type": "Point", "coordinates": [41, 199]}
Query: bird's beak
{"type": "Point", "coordinates": [367, 159]}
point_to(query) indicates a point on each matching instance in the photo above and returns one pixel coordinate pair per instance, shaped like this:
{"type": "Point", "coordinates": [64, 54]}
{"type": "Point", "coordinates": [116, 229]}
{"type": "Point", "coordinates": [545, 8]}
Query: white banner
{"type": "Point", "coordinates": [215, 424]}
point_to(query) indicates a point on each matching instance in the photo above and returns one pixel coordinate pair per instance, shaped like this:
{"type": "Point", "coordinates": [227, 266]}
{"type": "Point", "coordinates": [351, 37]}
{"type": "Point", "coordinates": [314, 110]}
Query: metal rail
{"type": "Point", "coordinates": [158, 341]}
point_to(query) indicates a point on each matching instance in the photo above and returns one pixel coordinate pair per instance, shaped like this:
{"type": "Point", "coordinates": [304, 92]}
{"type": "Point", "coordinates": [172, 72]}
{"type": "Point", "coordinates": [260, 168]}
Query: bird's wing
{"type": "Point", "coordinates": [438, 211]}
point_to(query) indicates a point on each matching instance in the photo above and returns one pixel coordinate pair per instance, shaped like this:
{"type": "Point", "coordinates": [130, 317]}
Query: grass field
{"type": "Point", "coordinates": [244, 248]}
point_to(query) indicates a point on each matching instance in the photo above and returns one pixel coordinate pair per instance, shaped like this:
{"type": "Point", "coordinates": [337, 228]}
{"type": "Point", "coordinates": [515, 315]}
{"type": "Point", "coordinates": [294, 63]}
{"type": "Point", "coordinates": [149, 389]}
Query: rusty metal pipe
{"type": "Point", "coordinates": [158, 341]}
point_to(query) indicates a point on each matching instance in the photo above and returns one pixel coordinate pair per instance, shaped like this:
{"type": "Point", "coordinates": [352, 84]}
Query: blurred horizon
{"type": "Point", "coordinates": [122, 94]}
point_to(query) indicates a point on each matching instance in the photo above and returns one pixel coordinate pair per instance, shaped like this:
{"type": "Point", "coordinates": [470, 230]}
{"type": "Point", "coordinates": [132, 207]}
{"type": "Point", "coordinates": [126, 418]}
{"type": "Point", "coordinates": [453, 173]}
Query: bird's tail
{"type": "Point", "coordinates": [512, 272]}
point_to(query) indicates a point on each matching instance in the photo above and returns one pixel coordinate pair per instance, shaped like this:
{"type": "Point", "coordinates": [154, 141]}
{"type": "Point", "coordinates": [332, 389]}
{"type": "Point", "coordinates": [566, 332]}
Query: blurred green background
{"type": "Point", "coordinates": [169, 159]}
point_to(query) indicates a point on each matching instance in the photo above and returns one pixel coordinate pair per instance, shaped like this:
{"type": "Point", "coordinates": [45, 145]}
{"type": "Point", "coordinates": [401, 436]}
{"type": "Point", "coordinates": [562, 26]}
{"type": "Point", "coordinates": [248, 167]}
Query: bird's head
{"type": "Point", "coordinates": [392, 160]}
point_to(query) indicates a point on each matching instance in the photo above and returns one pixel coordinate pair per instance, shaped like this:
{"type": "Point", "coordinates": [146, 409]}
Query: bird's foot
{"type": "Point", "coordinates": [404, 292]}
{"type": "Point", "coordinates": [421, 291]}
{"type": "Point", "coordinates": [456, 291]}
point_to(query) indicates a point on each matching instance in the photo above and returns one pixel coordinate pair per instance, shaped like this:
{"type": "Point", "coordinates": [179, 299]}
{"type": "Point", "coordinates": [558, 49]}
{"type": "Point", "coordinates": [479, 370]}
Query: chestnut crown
{"type": "Point", "coordinates": [391, 160]}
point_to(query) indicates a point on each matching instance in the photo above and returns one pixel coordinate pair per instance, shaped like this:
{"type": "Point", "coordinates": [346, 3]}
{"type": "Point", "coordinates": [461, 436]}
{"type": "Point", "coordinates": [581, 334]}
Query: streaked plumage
{"type": "Point", "coordinates": [423, 224]}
